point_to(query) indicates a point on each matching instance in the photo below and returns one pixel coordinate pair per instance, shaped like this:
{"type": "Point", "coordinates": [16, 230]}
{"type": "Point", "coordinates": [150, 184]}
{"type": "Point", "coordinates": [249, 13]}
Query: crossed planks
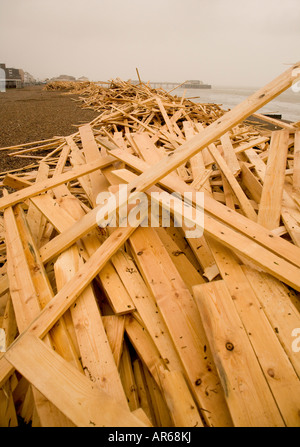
{"type": "Point", "coordinates": [79, 400]}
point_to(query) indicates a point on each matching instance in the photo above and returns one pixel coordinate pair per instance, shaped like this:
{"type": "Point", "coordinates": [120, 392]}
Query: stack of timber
{"type": "Point", "coordinates": [136, 325]}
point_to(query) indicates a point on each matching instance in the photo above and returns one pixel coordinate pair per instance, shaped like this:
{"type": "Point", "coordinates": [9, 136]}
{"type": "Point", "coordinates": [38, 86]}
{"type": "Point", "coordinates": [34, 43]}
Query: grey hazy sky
{"type": "Point", "coordinates": [223, 42]}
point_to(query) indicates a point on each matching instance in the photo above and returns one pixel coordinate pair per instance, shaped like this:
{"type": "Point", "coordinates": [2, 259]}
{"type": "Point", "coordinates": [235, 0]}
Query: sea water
{"type": "Point", "coordinates": [287, 104]}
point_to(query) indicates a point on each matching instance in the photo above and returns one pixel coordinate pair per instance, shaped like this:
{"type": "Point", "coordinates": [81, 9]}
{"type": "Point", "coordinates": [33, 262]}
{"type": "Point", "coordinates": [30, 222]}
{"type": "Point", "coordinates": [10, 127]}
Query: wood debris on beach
{"type": "Point", "coordinates": [149, 326]}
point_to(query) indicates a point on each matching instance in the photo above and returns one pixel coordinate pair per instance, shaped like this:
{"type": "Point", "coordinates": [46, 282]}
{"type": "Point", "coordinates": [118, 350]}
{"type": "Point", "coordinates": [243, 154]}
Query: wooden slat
{"type": "Point", "coordinates": [75, 395]}
{"type": "Point", "coordinates": [296, 172]}
{"type": "Point", "coordinates": [275, 364]}
{"type": "Point", "coordinates": [282, 312]}
{"type": "Point", "coordinates": [178, 309]}
{"type": "Point", "coordinates": [236, 188]}
{"type": "Point", "coordinates": [270, 204]}
{"type": "Point", "coordinates": [96, 355]}
{"type": "Point", "coordinates": [114, 326]}
{"type": "Point", "coordinates": [92, 154]}
{"type": "Point", "coordinates": [147, 308]}
{"type": "Point", "coordinates": [229, 154]}
{"type": "Point", "coordinates": [248, 396]}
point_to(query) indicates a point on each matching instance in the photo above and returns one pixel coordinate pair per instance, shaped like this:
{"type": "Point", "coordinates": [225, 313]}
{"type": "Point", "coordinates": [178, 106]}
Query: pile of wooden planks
{"type": "Point", "coordinates": [140, 325]}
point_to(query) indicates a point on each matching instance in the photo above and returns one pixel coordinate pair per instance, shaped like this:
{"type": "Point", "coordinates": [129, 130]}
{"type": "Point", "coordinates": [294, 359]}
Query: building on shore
{"type": "Point", "coordinates": [14, 77]}
{"type": "Point", "coordinates": [63, 78]}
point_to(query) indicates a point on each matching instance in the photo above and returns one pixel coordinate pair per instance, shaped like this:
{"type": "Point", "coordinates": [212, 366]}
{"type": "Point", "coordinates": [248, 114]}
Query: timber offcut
{"type": "Point", "coordinates": [150, 266]}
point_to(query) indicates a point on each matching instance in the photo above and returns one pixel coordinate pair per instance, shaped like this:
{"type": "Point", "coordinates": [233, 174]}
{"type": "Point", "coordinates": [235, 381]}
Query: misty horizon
{"type": "Point", "coordinates": [223, 43]}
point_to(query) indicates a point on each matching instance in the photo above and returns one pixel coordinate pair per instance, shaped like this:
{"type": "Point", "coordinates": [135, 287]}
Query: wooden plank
{"type": "Point", "coordinates": [143, 392]}
{"type": "Point", "coordinates": [70, 391]}
{"type": "Point", "coordinates": [251, 183]}
{"type": "Point", "coordinates": [229, 154]}
{"type": "Point", "coordinates": [92, 154]}
{"type": "Point", "coordinates": [146, 308]}
{"type": "Point", "coordinates": [275, 364]}
{"type": "Point", "coordinates": [60, 336]}
{"type": "Point", "coordinates": [275, 122]}
{"type": "Point", "coordinates": [183, 409]}
{"type": "Point", "coordinates": [282, 312]}
{"type": "Point", "coordinates": [96, 355]}
{"type": "Point", "coordinates": [15, 182]}
{"type": "Point", "coordinates": [114, 326]}
{"type": "Point", "coordinates": [34, 217]}
{"type": "Point", "coordinates": [8, 416]}
{"type": "Point", "coordinates": [27, 306]}
{"type": "Point", "coordinates": [248, 396]}
{"type": "Point", "coordinates": [127, 378]}
{"type": "Point", "coordinates": [180, 405]}
{"type": "Point", "coordinates": [296, 172]}
{"type": "Point", "coordinates": [245, 205]}
{"type": "Point", "coordinates": [271, 199]}
{"type": "Point", "coordinates": [163, 416]}
{"type": "Point", "coordinates": [180, 314]}
{"type": "Point", "coordinates": [30, 191]}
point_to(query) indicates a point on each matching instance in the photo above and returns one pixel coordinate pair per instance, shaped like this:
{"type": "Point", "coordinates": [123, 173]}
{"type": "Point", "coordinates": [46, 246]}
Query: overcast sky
{"type": "Point", "coordinates": [222, 42]}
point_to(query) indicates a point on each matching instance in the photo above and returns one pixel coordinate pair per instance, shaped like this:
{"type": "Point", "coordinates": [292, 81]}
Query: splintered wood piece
{"type": "Point", "coordinates": [248, 396]}
{"type": "Point", "coordinates": [68, 389]}
{"type": "Point", "coordinates": [271, 198]}
{"type": "Point", "coordinates": [9, 324]}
